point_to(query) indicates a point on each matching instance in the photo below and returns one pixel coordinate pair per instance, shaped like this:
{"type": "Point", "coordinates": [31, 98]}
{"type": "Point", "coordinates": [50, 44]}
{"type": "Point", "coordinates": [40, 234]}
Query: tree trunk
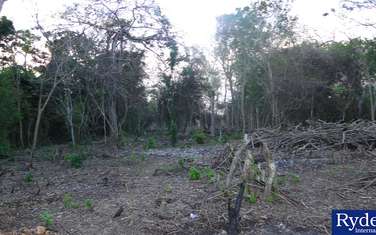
{"type": "Point", "coordinates": [20, 123]}
{"type": "Point", "coordinates": [212, 109]}
{"type": "Point", "coordinates": [371, 98]}
{"type": "Point", "coordinates": [230, 82]}
{"type": "Point", "coordinates": [69, 106]}
{"type": "Point", "coordinates": [114, 121]}
{"type": "Point", "coordinates": [312, 107]}
{"type": "Point", "coordinates": [41, 107]}
{"type": "Point", "coordinates": [36, 130]}
{"type": "Point", "coordinates": [272, 95]}
{"type": "Point", "coordinates": [242, 111]}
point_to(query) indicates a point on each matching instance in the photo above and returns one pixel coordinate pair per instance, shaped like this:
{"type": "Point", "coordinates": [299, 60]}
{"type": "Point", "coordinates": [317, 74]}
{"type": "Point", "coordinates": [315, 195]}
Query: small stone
{"type": "Point", "coordinates": [223, 232]}
{"type": "Point", "coordinates": [41, 230]}
{"type": "Point", "coordinates": [26, 231]}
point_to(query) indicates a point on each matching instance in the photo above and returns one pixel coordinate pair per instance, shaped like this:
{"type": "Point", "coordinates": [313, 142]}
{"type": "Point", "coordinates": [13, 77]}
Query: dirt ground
{"type": "Point", "coordinates": [152, 194]}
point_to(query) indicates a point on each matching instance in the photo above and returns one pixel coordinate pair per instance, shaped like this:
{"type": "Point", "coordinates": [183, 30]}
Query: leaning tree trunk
{"type": "Point", "coordinates": [41, 107]}
{"type": "Point", "coordinates": [36, 129]}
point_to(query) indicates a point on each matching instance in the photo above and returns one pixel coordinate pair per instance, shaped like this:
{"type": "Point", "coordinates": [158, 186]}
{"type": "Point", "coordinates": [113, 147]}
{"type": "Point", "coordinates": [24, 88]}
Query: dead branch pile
{"type": "Point", "coordinates": [319, 135]}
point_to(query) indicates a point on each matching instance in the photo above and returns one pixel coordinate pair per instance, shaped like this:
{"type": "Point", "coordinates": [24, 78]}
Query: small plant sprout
{"type": "Point", "coordinates": [295, 179]}
{"type": "Point", "coordinates": [47, 218]}
{"type": "Point", "coordinates": [251, 198]}
{"type": "Point", "coordinates": [68, 201]}
{"type": "Point", "coordinates": [271, 198]}
{"type": "Point", "coordinates": [194, 173]}
{"type": "Point", "coordinates": [209, 173]}
{"type": "Point", "coordinates": [88, 203]}
{"type": "Point", "coordinates": [28, 177]}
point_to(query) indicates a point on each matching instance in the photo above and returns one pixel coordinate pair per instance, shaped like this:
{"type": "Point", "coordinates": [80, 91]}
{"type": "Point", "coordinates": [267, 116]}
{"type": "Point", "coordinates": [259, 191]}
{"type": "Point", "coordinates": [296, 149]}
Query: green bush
{"type": "Point", "coordinates": [74, 159]}
{"type": "Point", "coordinates": [199, 136]}
{"type": "Point", "coordinates": [151, 143]}
{"type": "Point", "coordinates": [194, 173]}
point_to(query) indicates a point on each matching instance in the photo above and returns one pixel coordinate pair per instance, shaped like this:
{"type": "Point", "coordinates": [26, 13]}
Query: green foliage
{"type": "Point", "coordinates": [223, 139]}
{"type": "Point", "coordinates": [47, 218]}
{"type": "Point", "coordinates": [151, 143]}
{"type": "Point", "coordinates": [271, 198]}
{"type": "Point", "coordinates": [74, 159]}
{"type": "Point", "coordinates": [8, 109]}
{"type": "Point", "coordinates": [199, 136]}
{"type": "Point", "coordinates": [208, 173]}
{"type": "Point", "coordinates": [194, 173]}
{"type": "Point", "coordinates": [69, 202]}
{"type": "Point", "coordinates": [28, 177]}
{"type": "Point", "coordinates": [251, 197]}
{"type": "Point", "coordinates": [6, 27]}
{"type": "Point", "coordinates": [181, 163]}
{"type": "Point", "coordinates": [295, 179]}
{"type": "Point", "coordinates": [88, 203]}
{"type": "Point", "coordinates": [339, 89]}
{"type": "Point", "coordinates": [280, 180]}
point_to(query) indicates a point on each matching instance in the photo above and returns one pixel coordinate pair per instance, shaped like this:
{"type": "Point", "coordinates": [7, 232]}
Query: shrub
{"type": "Point", "coordinates": [47, 218]}
{"type": "Point", "coordinates": [194, 173]}
{"type": "Point", "coordinates": [74, 159]}
{"type": "Point", "coordinates": [151, 143]}
{"type": "Point", "coordinates": [199, 136]}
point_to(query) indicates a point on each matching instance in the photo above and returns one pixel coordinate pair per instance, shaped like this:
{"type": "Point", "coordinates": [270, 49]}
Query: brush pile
{"type": "Point", "coordinates": [304, 140]}
{"type": "Point", "coordinates": [318, 135]}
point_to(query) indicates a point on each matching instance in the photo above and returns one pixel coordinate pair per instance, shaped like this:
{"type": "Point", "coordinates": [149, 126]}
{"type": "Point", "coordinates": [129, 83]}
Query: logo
{"type": "Point", "coordinates": [353, 222]}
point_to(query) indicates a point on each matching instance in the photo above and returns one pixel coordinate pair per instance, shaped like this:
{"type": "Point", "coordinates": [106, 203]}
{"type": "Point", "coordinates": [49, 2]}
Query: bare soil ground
{"type": "Point", "coordinates": [155, 195]}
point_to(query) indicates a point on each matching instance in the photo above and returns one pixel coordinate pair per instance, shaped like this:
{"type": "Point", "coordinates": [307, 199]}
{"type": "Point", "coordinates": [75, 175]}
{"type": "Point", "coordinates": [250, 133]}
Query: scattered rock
{"type": "Point", "coordinates": [40, 230]}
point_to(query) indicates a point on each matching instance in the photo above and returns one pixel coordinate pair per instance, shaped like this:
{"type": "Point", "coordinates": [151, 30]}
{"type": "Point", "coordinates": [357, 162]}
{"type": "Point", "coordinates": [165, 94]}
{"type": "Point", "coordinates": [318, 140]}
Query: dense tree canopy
{"type": "Point", "coordinates": [91, 80]}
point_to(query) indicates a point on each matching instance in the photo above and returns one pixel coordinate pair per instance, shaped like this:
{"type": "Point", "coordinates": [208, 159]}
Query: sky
{"type": "Point", "coordinates": [195, 20]}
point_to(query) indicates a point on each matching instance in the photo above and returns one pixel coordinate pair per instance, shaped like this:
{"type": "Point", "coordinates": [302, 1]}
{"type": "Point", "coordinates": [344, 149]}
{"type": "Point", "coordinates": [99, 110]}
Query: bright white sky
{"type": "Point", "coordinates": [196, 19]}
